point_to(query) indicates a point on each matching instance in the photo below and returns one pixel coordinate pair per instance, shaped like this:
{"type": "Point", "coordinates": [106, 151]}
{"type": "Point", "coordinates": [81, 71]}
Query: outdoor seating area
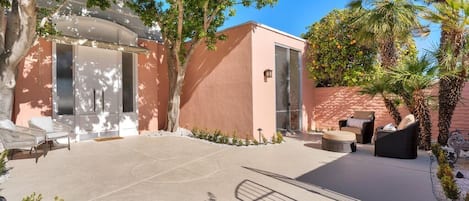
{"type": "Point", "coordinates": [18, 137]}
{"type": "Point", "coordinates": [361, 123]}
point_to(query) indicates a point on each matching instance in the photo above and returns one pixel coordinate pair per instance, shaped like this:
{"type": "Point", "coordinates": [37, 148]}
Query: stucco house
{"type": "Point", "coordinates": [106, 75]}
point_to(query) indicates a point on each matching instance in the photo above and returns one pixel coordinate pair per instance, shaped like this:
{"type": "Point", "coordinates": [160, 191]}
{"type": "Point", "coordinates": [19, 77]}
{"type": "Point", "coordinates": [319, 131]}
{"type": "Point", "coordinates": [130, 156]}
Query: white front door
{"type": "Point", "coordinates": [98, 92]}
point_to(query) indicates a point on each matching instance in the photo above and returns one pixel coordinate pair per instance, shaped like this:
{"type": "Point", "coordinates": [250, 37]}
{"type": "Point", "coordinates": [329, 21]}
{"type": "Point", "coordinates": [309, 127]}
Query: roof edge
{"type": "Point", "coordinates": [265, 27]}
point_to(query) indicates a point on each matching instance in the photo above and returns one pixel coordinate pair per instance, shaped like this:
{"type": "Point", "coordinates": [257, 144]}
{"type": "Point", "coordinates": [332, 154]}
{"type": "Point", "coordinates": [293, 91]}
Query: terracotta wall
{"type": "Point", "coordinates": [335, 103]}
{"type": "Point", "coordinates": [33, 92]}
{"type": "Point", "coordinates": [263, 99]}
{"type": "Point", "coordinates": [217, 93]}
{"type": "Point", "coordinates": [152, 87]}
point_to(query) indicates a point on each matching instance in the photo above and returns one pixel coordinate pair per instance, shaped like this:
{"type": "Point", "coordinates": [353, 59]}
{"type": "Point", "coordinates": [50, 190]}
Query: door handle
{"type": "Point", "coordinates": [102, 99]}
{"type": "Point", "coordinates": [94, 100]}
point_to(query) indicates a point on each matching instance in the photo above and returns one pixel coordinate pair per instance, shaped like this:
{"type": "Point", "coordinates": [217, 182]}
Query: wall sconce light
{"type": "Point", "coordinates": [267, 74]}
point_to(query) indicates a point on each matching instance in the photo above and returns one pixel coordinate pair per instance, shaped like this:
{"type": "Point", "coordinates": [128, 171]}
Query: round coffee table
{"type": "Point", "coordinates": [339, 141]}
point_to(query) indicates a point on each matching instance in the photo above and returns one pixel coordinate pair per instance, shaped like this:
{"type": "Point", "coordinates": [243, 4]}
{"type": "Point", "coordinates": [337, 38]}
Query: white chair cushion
{"type": "Point", "coordinates": [357, 123]}
{"type": "Point", "coordinates": [7, 124]}
{"type": "Point", "coordinates": [58, 134]}
{"type": "Point", "coordinates": [389, 127]}
{"type": "Point", "coordinates": [45, 123]}
{"type": "Point", "coordinates": [409, 119]}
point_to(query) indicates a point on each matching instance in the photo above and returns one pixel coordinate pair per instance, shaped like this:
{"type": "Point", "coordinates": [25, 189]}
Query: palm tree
{"type": "Point", "coordinates": [414, 77]}
{"type": "Point", "coordinates": [387, 22]}
{"type": "Point", "coordinates": [381, 86]}
{"type": "Point", "coordinates": [453, 17]}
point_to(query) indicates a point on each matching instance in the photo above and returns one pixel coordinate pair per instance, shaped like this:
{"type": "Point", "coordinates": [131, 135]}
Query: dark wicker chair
{"type": "Point", "coordinates": [397, 144]}
{"type": "Point", "coordinates": [364, 134]}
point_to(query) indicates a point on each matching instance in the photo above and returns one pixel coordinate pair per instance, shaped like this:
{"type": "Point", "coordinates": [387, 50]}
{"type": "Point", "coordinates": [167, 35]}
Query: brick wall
{"type": "Point", "coordinates": [335, 103]}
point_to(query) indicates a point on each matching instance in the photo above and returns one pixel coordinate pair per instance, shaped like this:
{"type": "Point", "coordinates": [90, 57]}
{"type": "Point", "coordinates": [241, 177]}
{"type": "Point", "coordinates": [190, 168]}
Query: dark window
{"type": "Point", "coordinates": [128, 96]}
{"type": "Point", "coordinates": [64, 70]}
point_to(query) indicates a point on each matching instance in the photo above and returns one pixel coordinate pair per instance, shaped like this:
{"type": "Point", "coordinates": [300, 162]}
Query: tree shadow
{"type": "Point", "coordinates": [33, 92]}
{"type": "Point", "coordinates": [249, 190]}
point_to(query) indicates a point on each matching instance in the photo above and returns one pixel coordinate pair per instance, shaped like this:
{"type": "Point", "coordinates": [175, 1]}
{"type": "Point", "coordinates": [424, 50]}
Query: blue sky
{"type": "Point", "coordinates": [293, 16]}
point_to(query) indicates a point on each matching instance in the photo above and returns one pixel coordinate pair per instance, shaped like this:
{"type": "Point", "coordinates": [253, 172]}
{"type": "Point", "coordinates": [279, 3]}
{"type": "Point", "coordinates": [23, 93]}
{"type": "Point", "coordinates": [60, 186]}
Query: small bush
{"type": "Point", "coordinates": [247, 142]}
{"type": "Point", "coordinates": [225, 139]}
{"type": "Point", "coordinates": [264, 140]}
{"type": "Point", "coordinates": [444, 170]}
{"type": "Point", "coordinates": [234, 140]}
{"type": "Point", "coordinates": [38, 197]}
{"type": "Point", "coordinates": [273, 139]}
{"type": "Point", "coordinates": [279, 137]}
{"type": "Point", "coordinates": [3, 162]}
{"type": "Point", "coordinates": [240, 143]}
{"type": "Point", "coordinates": [442, 157]}
{"type": "Point", "coordinates": [255, 142]}
{"type": "Point", "coordinates": [450, 187]}
{"type": "Point", "coordinates": [436, 149]}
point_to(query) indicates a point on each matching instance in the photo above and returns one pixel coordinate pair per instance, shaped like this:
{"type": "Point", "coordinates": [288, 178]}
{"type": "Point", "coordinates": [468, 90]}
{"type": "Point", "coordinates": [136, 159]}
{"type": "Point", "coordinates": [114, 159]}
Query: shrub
{"type": "Point", "coordinates": [436, 149]}
{"type": "Point", "coordinates": [196, 132]}
{"type": "Point", "coordinates": [444, 170]}
{"type": "Point", "coordinates": [240, 143]}
{"type": "Point", "coordinates": [450, 187]}
{"type": "Point", "coordinates": [255, 142]}
{"type": "Point", "coordinates": [273, 139]}
{"type": "Point", "coordinates": [225, 139]}
{"type": "Point", "coordinates": [264, 140]}
{"type": "Point", "coordinates": [442, 157]}
{"type": "Point", "coordinates": [3, 162]}
{"type": "Point", "coordinates": [247, 141]}
{"type": "Point", "coordinates": [216, 135]}
{"type": "Point", "coordinates": [234, 140]}
{"type": "Point", "coordinates": [38, 197]}
{"type": "Point", "coordinates": [279, 137]}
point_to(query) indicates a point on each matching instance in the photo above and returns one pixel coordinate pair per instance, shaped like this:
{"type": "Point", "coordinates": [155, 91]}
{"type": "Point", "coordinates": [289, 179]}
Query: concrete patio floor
{"type": "Point", "coordinates": [180, 168]}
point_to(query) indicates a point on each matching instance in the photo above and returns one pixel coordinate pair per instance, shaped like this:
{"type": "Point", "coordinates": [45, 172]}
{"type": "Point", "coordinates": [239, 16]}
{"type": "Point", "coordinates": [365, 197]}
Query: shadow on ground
{"type": "Point", "coordinates": [363, 176]}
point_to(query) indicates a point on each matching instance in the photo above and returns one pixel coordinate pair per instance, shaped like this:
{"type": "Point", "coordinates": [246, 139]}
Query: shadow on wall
{"type": "Point", "coordinates": [33, 92]}
{"type": "Point", "coordinates": [149, 87]}
{"type": "Point", "coordinates": [204, 61]}
{"type": "Point", "coordinates": [332, 104]}
{"type": "Point", "coordinates": [308, 86]}
{"type": "Point", "coordinates": [221, 73]}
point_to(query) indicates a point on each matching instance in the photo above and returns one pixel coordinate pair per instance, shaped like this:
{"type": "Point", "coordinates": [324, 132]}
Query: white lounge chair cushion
{"type": "Point", "coordinates": [409, 119]}
{"type": "Point", "coordinates": [357, 123]}
{"type": "Point", "coordinates": [7, 124]}
{"type": "Point", "coordinates": [45, 123]}
{"type": "Point", "coordinates": [57, 134]}
{"type": "Point", "coordinates": [389, 127]}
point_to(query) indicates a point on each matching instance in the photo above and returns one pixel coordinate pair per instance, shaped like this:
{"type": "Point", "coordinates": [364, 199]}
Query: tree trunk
{"type": "Point", "coordinates": [175, 91]}
{"type": "Point", "coordinates": [7, 86]}
{"type": "Point", "coordinates": [18, 38]}
{"type": "Point", "coordinates": [425, 124]}
{"type": "Point", "coordinates": [392, 109]}
{"type": "Point", "coordinates": [388, 54]}
{"type": "Point", "coordinates": [448, 98]}
{"type": "Point", "coordinates": [450, 86]}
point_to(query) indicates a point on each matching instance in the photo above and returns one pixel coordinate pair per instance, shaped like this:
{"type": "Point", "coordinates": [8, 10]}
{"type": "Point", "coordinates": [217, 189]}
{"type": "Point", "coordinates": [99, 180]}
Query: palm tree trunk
{"type": "Point", "coordinates": [448, 98]}
{"type": "Point", "coordinates": [392, 109]}
{"type": "Point", "coordinates": [388, 54]}
{"type": "Point", "coordinates": [450, 85]}
{"type": "Point", "coordinates": [425, 124]}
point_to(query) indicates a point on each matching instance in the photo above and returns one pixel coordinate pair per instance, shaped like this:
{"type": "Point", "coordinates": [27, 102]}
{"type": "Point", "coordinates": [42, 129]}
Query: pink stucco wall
{"type": "Point", "coordinates": [150, 87]}
{"type": "Point", "coordinates": [217, 92]}
{"type": "Point", "coordinates": [335, 103]}
{"type": "Point", "coordinates": [33, 92]}
{"type": "Point", "coordinates": [263, 99]}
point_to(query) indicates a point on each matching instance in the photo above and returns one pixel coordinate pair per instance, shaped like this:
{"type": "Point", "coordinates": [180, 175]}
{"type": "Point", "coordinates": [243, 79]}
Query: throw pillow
{"type": "Point", "coordinates": [357, 123]}
{"type": "Point", "coordinates": [7, 124]}
{"type": "Point", "coordinates": [409, 119]}
{"type": "Point", "coordinates": [389, 127]}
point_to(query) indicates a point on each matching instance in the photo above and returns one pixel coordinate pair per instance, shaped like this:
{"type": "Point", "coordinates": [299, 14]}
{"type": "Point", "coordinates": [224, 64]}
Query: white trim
{"type": "Point", "coordinates": [265, 27]}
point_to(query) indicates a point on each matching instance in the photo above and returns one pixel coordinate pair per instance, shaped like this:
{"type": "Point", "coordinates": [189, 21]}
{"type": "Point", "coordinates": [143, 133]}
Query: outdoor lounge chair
{"type": "Point", "coordinates": [361, 123]}
{"type": "Point", "coordinates": [53, 129]}
{"type": "Point", "coordinates": [17, 137]}
{"type": "Point", "coordinates": [401, 143]}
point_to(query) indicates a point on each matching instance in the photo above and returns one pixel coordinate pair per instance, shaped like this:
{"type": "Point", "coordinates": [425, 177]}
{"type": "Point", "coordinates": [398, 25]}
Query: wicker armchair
{"type": "Point", "coordinates": [398, 144]}
{"type": "Point", "coordinates": [363, 131]}
{"type": "Point", "coordinates": [53, 129]}
{"type": "Point", "coordinates": [17, 137]}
